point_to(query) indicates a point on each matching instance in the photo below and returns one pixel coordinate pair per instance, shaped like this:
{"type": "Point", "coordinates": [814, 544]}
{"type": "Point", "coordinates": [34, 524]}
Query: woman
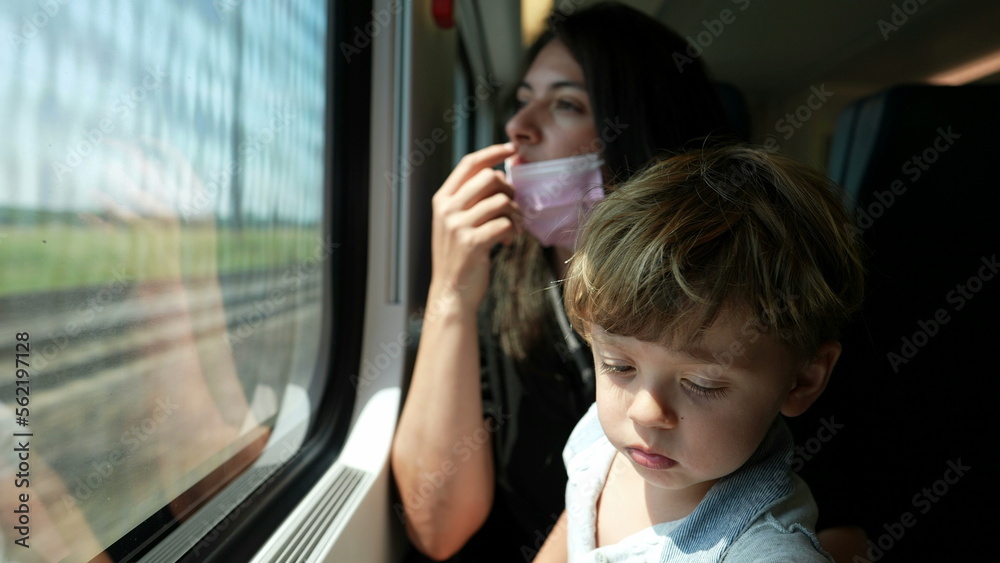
{"type": "Point", "coordinates": [481, 470]}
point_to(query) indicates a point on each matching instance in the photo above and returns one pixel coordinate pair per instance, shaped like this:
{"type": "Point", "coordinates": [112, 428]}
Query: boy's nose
{"type": "Point", "coordinates": [652, 411]}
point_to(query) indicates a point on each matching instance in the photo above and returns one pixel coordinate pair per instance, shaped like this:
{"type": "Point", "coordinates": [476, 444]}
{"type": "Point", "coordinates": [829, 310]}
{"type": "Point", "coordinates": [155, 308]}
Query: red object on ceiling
{"type": "Point", "coordinates": [444, 13]}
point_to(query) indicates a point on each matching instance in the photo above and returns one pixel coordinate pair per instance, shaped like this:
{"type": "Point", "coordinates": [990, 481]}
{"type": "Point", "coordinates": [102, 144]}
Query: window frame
{"type": "Point", "coordinates": [347, 123]}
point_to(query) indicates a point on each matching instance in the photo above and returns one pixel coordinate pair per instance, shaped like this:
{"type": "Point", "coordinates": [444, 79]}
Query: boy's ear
{"type": "Point", "coordinates": [811, 379]}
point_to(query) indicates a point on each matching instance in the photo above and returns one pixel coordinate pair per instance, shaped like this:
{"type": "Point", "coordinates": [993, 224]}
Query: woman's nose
{"type": "Point", "coordinates": [522, 127]}
{"type": "Point", "coordinates": [652, 411]}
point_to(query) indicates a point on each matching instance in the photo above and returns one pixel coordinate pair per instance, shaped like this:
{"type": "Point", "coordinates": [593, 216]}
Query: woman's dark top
{"type": "Point", "coordinates": [531, 410]}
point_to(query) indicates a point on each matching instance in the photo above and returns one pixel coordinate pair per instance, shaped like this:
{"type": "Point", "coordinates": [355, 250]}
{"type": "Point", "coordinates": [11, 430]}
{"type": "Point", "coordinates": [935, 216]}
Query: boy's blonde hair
{"type": "Point", "coordinates": [731, 228]}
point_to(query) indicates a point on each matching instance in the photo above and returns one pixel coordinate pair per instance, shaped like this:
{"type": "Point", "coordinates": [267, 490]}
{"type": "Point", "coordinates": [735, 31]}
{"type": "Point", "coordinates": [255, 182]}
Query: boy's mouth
{"type": "Point", "coordinates": [649, 459]}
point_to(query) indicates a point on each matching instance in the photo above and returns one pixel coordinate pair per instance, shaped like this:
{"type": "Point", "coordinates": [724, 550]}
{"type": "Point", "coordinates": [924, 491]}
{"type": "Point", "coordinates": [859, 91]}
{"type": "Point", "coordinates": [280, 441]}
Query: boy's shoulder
{"type": "Point", "coordinates": [782, 533]}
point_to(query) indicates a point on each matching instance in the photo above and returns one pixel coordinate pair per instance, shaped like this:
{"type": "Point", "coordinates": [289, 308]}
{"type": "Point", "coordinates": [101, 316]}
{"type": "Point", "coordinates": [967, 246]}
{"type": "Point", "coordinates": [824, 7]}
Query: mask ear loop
{"type": "Point", "coordinates": [580, 357]}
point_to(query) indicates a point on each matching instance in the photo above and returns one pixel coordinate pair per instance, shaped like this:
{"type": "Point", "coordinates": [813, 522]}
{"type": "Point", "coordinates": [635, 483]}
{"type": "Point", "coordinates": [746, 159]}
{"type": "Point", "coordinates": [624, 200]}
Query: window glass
{"type": "Point", "coordinates": [161, 257]}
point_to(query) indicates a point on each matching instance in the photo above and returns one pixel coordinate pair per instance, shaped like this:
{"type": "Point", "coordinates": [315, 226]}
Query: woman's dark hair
{"type": "Point", "coordinates": [673, 105]}
{"type": "Point", "coordinates": [649, 97]}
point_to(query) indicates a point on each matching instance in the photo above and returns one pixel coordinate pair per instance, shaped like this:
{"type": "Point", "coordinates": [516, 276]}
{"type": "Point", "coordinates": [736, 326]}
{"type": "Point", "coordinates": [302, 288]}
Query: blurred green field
{"type": "Point", "coordinates": [39, 258]}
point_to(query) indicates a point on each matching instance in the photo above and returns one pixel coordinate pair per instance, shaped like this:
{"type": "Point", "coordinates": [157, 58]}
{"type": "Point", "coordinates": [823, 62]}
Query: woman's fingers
{"type": "Point", "coordinates": [491, 221]}
{"type": "Point", "coordinates": [484, 184]}
{"type": "Point", "coordinates": [490, 203]}
{"type": "Point", "coordinates": [494, 207]}
{"type": "Point", "coordinates": [473, 210]}
{"type": "Point", "coordinates": [465, 238]}
{"type": "Point", "coordinates": [472, 163]}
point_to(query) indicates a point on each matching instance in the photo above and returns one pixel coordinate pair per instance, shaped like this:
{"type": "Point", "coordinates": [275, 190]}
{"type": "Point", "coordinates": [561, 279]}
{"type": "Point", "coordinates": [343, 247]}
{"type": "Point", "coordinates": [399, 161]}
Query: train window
{"type": "Point", "coordinates": [165, 249]}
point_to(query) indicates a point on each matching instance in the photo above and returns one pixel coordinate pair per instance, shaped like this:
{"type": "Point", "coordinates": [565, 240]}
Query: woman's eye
{"type": "Point", "coordinates": [563, 104]}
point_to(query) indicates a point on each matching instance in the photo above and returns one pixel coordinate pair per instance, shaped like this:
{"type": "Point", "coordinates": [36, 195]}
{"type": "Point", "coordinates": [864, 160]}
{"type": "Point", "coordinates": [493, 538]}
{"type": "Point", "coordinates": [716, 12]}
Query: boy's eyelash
{"type": "Point", "coordinates": [615, 369]}
{"type": "Point", "coordinates": [709, 392]}
{"type": "Point", "coordinates": [699, 390]}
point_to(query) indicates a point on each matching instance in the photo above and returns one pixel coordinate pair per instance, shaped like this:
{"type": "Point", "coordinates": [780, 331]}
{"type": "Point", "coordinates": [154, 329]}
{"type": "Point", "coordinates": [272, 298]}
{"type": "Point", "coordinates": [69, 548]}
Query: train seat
{"type": "Point", "coordinates": [912, 401]}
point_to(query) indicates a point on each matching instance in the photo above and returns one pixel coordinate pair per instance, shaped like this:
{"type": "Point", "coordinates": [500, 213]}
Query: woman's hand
{"type": "Point", "coordinates": [473, 211]}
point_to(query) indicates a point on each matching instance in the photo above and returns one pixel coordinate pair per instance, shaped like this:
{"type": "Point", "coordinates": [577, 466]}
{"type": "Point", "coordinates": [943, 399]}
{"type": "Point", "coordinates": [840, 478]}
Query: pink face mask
{"type": "Point", "coordinates": [555, 195]}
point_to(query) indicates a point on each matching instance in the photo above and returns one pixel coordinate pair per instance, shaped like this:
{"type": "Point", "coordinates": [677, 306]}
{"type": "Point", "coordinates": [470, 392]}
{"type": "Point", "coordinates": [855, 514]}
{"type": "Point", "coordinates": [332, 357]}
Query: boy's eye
{"type": "Point", "coordinates": [703, 391]}
{"type": "Point", "coordinates": [616, 369]}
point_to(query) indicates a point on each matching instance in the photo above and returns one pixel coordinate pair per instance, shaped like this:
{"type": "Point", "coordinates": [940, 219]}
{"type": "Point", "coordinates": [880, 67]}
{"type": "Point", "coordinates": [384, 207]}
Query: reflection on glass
{"type": "Point", "coordinates": [160, 254]}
